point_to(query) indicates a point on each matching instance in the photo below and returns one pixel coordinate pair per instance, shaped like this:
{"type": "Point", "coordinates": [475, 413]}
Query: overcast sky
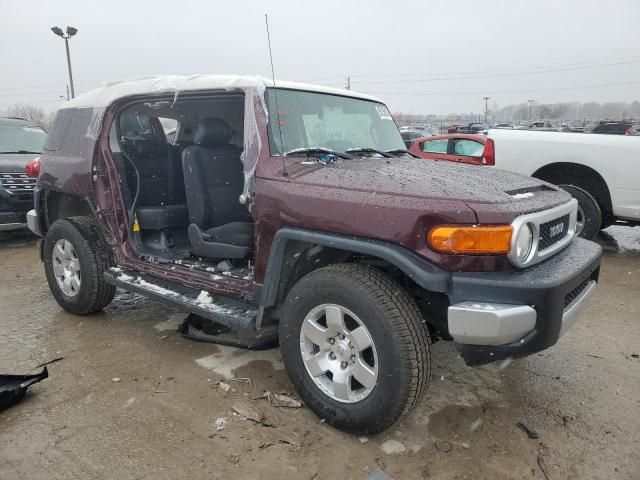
{"type": "Point", "coordinates": [512, 50]}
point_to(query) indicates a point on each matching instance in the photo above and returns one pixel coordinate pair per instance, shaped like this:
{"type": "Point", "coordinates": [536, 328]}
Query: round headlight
{"type": "Point", "coordinates": [524, 243]}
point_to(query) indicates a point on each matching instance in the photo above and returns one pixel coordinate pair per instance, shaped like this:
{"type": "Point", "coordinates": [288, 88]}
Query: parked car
{"type": "Point", "coordinates": [20, 141]}
{"type": "Point", "coordinates": [508, 126]}
{"type": "Point", "coordinates": [600, 171]}
{"type": "Point", "coordinates": [544, 126]}
{"type": "Point", "coordinates": [408, 136]}
{"type": "Point", "coordinates": [474, 128]}
{"type": "Point", "coordinates": [458, 147]}
{"type": "Point", "coordinates": [319, 227]}
{"type": "Point", "coordinates": [614, 128]}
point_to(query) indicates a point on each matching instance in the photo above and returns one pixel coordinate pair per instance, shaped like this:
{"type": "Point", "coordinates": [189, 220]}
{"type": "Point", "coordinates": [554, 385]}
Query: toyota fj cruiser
{"type": "Point", "coordinates": [296, 209]}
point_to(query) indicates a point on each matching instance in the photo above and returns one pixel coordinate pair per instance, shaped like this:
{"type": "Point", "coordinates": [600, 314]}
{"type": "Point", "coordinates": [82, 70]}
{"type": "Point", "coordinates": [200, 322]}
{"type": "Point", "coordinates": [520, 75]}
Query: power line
{"type": "Point", "coordinates": [519, 71]}
{"type": "Point", "coordinates": [44, 86]}
{"type": "Point", "coordinates": [566, 65]}
{"type": "Point", "coordinates": [481, 92]}
{"type": "Point", "coordinates": [494, 75]}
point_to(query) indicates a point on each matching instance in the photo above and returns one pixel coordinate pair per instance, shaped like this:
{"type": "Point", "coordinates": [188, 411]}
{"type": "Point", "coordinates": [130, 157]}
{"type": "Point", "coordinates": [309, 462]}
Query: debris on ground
{"type": "Point", "coordinates": [14, 387]}
{"type": "Point", "coordinates": [378, 474]}
{"type": "Point", "coordinates": [391, 447]}
{"type": "Point", "coordinates": [247, 411]}
{"type": "Point", "coordinates": [525, 428]}
{"type": "Point", "coordinates": [57, 359]}
{"type": "Point", "coordinates": [542, 464]}
{"type": "Point", "coordinates": [281, 400]}
{"type": "Point", "coordinates": [225, 387]}
{"type": "Point", "coordinates": [476, 425]}
{"type": "Point", "coordinates": [233, 458]}
{"type": "Point", "coordinates": [443, 446]}
{"type": "Point", "coordinates": [363, 439]}
{"type": "Point", "coordinates": [220, 423]}
{"type": "Point", "coordinates": [115, 379]}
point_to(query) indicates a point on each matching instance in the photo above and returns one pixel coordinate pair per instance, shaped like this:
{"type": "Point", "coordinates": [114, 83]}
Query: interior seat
{"type": "Point", "coordinates": [221, 227]}
{"type": "Point", "coordinates": [160, 200]}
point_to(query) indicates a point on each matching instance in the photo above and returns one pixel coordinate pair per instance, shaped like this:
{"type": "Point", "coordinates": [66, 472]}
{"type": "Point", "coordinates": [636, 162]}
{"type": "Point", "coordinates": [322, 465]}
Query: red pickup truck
{"type": "Point", "coordinates": [295, 209]}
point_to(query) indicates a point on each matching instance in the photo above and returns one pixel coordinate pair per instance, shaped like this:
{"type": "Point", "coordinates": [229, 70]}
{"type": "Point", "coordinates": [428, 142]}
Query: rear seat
{"type": "Point", "coordinates": [161, 201]}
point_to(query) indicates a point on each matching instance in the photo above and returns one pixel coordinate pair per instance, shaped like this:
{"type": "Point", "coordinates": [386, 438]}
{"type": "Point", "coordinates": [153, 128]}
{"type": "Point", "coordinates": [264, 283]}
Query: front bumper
{"type": "Point", "coordinates": [10, 221]}
{"type": "Point", "coordinates": [499, 315]}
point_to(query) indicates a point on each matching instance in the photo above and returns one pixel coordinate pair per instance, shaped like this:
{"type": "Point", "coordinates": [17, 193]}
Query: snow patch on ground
{"type": "Point", "coordinates": [228, 359]}
{"type": "Point", "coordinates": [171, 323]}
{"type": "Point", "coordinates": [391, 447]}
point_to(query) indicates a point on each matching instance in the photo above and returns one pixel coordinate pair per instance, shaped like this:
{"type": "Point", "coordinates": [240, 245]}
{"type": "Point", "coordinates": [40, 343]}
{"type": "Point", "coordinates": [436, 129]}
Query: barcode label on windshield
{"type": "Point", "coordinates": [383, 112]}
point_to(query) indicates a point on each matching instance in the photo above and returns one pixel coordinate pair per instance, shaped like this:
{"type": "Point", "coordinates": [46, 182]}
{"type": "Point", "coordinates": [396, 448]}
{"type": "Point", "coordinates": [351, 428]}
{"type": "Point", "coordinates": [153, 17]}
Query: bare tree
{"type": "Point", "coordinates": [29, 112]}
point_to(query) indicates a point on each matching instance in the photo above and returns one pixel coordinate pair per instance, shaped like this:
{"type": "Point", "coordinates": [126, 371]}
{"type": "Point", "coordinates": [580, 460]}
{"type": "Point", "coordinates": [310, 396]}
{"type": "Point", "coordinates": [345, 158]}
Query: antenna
{"type": "Point", "coordinates": [275, 94]}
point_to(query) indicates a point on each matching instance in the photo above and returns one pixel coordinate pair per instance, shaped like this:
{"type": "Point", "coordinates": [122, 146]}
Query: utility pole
{"type": "Point", "coordinates": [486, 107]}
{"type": "Point", "coordinates": [348, 83]}
{"type": "Point", "coordinates": [530, 103]}
{"type": "Point", "coordinates": [71, 31]}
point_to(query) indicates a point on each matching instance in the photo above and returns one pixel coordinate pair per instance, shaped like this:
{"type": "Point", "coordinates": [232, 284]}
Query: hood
{"type": "Point", "coordinates": [15, 162]}
{"type": "Point", "coordinates": [481, 188]}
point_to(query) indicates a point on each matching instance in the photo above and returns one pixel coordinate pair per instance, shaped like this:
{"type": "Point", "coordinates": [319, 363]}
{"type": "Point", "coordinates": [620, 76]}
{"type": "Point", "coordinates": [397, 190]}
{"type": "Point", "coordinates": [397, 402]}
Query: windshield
{"type": "Point", "coordinates": [21, 138]}
{"type": "Point", "coordinates": [309, 119]}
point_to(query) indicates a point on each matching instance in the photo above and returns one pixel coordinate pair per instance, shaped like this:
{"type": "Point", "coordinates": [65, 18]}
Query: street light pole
{"type": "Point", "coordinates": [530, 103]}
{"type": "Point", "coordinates": [66, 44]}
{"type": "Point", "coordinates": [486, 107]}
{"type": "Point", "coordinates": [71, 31]}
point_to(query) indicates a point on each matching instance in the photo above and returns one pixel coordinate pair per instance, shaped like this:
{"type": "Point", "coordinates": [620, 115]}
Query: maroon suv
{"type": "Point", "coordinates": [296, 210]}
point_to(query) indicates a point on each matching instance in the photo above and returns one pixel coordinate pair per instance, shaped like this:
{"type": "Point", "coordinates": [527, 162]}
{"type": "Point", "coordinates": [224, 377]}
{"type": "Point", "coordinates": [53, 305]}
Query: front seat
{"type": "Point", "coordinates": [221, 227]}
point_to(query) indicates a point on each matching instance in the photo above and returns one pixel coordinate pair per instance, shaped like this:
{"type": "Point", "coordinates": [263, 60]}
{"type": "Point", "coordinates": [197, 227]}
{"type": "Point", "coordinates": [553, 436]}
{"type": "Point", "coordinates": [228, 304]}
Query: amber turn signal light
{"type": "Point", "coordinates": [471, 240]}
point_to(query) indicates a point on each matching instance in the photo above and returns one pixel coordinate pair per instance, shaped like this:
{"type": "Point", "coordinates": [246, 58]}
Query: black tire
{"type": "Point", "coordinates": [94, 259]}
{"type": "Point", "coordinates": [397, 329]}
{"type": "Point", "coordinates": [590, 209]}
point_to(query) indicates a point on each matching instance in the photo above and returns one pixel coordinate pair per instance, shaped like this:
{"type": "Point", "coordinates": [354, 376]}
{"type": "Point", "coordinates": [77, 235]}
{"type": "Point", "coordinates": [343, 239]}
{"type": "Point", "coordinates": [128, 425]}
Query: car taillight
{"type": "Point", "coordinates": [489, 156]}
{"type": "Point", "coordinates": [629, 131]}
{"type": "Point", "coordinates": [32, 169]}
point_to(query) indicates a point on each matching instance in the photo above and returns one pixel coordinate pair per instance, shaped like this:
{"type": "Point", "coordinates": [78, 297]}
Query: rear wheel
{"type": "Point", "coordinates": [75, 259]}
{"type": "Point", "coordinates": [355, 346]}
{"type": "Point", "coordinates": [589, 212]}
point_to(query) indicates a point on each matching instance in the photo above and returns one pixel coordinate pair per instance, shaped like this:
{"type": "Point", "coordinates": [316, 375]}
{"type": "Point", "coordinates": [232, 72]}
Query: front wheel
{"type": "Point", "coordinates": [75, 259]}
{"type": "Point", "coordinates": [355, 346]}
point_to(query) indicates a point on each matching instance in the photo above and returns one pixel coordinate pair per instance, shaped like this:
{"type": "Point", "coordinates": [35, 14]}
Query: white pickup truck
{"type": "Point", "coordinates": [601, 171]}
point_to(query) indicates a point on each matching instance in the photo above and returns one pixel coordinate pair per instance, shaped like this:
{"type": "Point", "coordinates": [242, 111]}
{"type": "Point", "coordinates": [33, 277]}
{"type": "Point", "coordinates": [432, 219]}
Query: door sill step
{"type": "Point", "coordinates": [231, 313]}
{"type": "Point", "coordinates": [201, 329]}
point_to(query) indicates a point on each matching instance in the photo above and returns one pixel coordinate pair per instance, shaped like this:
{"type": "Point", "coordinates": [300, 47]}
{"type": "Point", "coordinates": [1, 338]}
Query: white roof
{"type": "Point", "coordinates": [110, 92]}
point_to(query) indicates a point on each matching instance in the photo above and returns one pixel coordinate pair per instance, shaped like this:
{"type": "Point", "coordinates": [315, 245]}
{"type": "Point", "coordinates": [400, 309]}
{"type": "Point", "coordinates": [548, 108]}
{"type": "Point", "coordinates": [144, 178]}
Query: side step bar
{"type": "Point", "coordinates": [228, 312]}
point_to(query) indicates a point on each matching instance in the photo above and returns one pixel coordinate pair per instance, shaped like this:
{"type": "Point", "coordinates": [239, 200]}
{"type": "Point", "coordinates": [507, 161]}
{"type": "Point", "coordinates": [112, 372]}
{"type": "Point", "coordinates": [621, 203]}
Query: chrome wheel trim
{"type": "Point", "coordinates": [580, 221]}
{"type": "Point", "coordinates": [66, 267]}
{"type": "Point", "coordinates": [336, 349]}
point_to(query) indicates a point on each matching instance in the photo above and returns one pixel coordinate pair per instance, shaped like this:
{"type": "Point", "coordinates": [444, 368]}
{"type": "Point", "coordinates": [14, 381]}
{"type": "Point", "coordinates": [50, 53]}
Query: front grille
{"type": "Point", "coordinates": [18, 184]}
{"type": "Point", "coordinates": [553, 231]}
{"type": "Point", "coordinates": [575, 293]}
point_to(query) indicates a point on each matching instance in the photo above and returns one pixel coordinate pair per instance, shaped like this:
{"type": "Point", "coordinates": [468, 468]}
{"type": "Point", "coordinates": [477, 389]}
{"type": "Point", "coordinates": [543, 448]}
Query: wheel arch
{"type": "Point", "coordinates": [581, 176]}
{"type": "Point", "coordinates": [296, 252]}
{"type": "Point", "coordinates": [58, 205]}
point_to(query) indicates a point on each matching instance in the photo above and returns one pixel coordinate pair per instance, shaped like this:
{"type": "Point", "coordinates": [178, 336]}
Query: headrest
{"type": "Point", "coordinates": [212, 132]}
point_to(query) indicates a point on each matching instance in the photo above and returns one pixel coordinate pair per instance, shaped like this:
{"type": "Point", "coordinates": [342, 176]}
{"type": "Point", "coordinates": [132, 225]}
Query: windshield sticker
{"type": "Point", "coordinates": [31, 129]}
{"type": "Point", "coordinates": [383, 112]}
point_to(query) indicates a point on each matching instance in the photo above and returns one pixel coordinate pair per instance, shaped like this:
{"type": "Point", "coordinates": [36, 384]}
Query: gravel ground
{"type": "Point", "coordinates": [132, 399]}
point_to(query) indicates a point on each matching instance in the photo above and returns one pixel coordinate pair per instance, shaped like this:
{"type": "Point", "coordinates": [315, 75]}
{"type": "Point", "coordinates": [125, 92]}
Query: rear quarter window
{"type": "Point", "coordinates": [58, 130]}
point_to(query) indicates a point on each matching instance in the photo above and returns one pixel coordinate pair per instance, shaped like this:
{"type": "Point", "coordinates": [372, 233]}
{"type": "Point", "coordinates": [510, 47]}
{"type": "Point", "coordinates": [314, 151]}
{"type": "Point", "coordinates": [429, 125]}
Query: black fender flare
{"type": "Point", "coordinates": [417, 268]}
